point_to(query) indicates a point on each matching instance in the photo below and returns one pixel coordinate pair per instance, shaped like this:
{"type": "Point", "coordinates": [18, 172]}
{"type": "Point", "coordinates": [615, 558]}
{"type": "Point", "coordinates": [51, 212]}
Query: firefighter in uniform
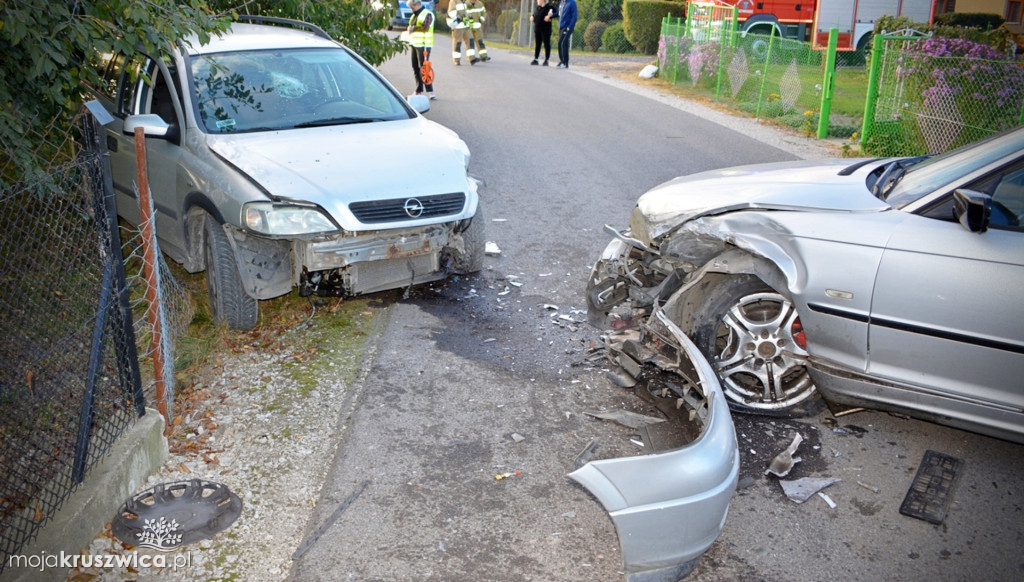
{"type": "Point", "coordinates": [477, 15]}
{"type": "Point", "coordinates": [459, 23]}
{"type": "Point", "coordinates": [421, 32]}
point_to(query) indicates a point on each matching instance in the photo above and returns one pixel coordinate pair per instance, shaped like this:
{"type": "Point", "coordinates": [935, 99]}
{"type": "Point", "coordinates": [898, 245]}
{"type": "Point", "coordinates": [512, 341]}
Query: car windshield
{"type": "Point", "coordinates": [288, 88]}
{"type": "Point", "coordinates": [936, 172]}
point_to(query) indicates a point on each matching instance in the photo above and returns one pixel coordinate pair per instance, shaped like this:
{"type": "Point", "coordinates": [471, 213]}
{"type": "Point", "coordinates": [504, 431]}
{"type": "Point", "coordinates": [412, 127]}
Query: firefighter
{"type": "Point", "coordinates": [477, 15]}
{"type": "Point", "coordinates": [459, 23]}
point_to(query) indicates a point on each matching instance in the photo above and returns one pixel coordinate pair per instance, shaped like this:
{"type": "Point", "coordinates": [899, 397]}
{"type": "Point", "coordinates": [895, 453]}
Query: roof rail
{"type": "Point", "coordinates": [254, 19]}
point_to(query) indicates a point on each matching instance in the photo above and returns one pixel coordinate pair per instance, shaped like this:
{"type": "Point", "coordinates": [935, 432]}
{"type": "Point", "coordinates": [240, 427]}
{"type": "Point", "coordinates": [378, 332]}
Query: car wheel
{"type": "Point", "coordinates": [471, 259]}
{"type": "Point", "coordinates": [753, 338]}
{"type": "Point", "coordinates": [229, 303]}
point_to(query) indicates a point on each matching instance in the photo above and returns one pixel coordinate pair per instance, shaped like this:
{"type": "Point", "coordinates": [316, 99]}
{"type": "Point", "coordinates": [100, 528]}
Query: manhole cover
{"type": "Point", "coordinates": [169, 515]}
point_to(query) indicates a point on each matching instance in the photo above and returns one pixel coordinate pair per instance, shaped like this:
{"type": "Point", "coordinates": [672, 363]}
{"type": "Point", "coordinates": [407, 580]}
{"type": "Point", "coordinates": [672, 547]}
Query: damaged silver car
{"type": "Point", "coordinates": [894, 284]}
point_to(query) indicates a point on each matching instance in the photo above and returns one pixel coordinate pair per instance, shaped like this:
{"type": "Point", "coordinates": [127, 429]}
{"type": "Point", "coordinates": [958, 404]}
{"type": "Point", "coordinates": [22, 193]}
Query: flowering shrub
{"type": "Point", "coordinates": [702, 59]}
{"type": "Point", "coordinates": [974, 75]}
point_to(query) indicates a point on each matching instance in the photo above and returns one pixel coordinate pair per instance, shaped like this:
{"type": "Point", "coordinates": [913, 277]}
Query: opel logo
{"type": "Point", "coordinates": [413, 207]}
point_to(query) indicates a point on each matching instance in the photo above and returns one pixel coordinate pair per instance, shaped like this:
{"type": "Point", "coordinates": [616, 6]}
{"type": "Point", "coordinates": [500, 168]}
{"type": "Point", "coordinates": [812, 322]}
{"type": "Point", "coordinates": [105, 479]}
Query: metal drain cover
{"type": "Point", "coordinates": [169, 515]}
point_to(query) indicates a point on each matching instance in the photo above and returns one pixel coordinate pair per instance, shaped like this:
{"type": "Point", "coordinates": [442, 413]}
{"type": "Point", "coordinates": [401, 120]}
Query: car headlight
{"type": "Point", "coordinates": [285, 219]}
{"type": "Point", "coordinates": [638, 226]}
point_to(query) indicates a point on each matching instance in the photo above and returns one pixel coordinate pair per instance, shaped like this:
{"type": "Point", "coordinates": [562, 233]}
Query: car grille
{"type": "Point", "coordinates": [376, 211]}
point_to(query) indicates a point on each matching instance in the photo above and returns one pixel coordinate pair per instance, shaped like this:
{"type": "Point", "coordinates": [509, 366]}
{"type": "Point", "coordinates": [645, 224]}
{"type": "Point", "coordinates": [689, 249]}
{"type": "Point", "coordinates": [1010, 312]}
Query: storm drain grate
{"type": "Point", "coordinates": [169, 515]}
{"type": "Point", "coordinates": [932, 490]}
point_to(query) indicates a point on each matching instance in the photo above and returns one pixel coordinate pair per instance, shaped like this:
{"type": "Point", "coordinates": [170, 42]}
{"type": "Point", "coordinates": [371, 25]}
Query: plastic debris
{"type": "Point", "coordinates": [518, 437]}
{"type": "Point", "coordinates": [801, 490]}
{"type": "Point", "coordinates": [626, 418]}
{"type": "Point", "coordinates": [648, 72]}
{"type": "Point", "coordinates": [868, 487]}
{"type": "Point", "coordinates": [491, 249]}
{"type": "Point", "coordinates": [783, 463]}
{"type": "Point", "coordinates": [505, 476]}
{"type": "Point", "coordinates": [828, 500]}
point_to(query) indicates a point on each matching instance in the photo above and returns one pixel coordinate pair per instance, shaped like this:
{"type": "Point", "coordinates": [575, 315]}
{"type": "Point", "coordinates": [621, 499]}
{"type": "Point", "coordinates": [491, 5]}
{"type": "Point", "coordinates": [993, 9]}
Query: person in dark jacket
{"type": "Point", "coordinates": [566, 23]}
{"type": "Point", "coordinates": [543, 13]}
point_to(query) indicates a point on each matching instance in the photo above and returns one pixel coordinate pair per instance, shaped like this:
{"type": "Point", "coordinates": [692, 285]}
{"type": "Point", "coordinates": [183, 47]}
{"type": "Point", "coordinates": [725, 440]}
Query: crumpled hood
{"type": "Point", "coordinates": [803, 185]}
{"type": "Point", "coordinates": [337, 165]}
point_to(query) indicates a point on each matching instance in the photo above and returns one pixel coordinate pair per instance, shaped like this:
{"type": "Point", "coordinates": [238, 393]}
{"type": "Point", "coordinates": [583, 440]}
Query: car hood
{"type": "Point", "coordinates": [803, 185]}
{"type": "Point", "coordinates": [335, 166]}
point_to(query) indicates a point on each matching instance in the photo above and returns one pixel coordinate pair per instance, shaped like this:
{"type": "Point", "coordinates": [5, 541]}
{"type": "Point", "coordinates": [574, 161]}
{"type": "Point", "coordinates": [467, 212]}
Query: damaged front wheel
{"type": "Point", "coordinates": [755, 341]}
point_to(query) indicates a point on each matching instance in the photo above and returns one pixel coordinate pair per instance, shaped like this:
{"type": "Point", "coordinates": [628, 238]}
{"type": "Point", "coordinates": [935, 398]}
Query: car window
{"type": "Point", "coordinates": [284, 89]}
{"type": "Point", "coordinates": [108, 67]}
{"type": "Point", "coordinates": [1005, 185]}
{"type": "Point", "coordinates": [941, 171]}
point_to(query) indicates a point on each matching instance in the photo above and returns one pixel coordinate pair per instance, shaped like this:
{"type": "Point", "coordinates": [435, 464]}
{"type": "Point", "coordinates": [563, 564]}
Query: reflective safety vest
{"type": "Point", "coordinates": [422, 37]}
{"type": "Point", "coordinates": [458, 16]}
{"type": "Point", "coordinates": [477, 13]}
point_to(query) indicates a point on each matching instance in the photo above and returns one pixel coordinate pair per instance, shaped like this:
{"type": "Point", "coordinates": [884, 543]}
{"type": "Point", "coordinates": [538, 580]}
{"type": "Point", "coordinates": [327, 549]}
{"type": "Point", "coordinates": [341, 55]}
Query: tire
{"type": "Point", "coordinates": [747, 331]}
{"type": "Point", "coordinates": [229, 303]}
{"type": "Point", "coordinates": [471, 258]}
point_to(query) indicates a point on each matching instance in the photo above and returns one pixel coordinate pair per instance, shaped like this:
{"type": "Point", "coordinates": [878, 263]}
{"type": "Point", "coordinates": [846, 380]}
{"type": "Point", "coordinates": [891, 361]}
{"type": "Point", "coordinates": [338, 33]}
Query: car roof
{"type": "Point", "coordinates": [241, 37]}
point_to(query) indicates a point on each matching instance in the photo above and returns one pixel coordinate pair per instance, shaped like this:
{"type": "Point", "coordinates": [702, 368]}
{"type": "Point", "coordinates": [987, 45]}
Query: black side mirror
{"type": "Point", "coordinates": [972, 209]}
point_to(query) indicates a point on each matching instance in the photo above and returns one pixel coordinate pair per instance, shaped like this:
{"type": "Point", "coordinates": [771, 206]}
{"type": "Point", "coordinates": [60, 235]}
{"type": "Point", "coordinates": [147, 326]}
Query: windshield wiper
{"type": "Point", "coordinates": [336, 121]}
{"type": "Point", "coordinates": [892, 174]}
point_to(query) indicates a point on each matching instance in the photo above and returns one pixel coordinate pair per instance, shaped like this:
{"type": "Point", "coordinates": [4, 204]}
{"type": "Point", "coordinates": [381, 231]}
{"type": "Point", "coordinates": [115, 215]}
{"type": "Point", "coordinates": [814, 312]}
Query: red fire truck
{"type": "Point", "coordinates": [796, 19]}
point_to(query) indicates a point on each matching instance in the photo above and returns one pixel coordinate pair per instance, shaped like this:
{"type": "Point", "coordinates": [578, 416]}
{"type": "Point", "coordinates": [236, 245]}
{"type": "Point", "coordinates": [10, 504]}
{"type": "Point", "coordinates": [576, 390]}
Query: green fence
{"type": "Point", "coordinates": [919, 95]}
{"type": "Point", "coordinates": [764, 75]}
{"type": "Point", "coordinates": [923, 100]}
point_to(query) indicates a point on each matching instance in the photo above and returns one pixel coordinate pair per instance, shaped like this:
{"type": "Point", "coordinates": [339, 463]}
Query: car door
{"type": "Point", "coordinates": [947, 313]}
{"type": "Point", "coordinates": [147, 87]}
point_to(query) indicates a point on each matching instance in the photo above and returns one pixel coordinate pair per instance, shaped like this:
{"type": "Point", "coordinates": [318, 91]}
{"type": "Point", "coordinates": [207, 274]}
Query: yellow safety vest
{"type": "Point", "coordinates": [422, 37]}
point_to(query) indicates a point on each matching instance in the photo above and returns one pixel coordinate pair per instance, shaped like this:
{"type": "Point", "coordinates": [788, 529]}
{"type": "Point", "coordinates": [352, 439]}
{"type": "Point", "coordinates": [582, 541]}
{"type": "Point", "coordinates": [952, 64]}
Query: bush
{"type": "Point", "coordinates": [508, 24]}
{"type": "Point", "coordinates": [614, 39]}
{"type": "Point", "coordinates": [602, 10]}
{"type": "Point", "coordinates": [642, 21]}
{"type": "Point", "coordinates": [969, 20]}
{"type": "Point", "coordinates": [592, 37]}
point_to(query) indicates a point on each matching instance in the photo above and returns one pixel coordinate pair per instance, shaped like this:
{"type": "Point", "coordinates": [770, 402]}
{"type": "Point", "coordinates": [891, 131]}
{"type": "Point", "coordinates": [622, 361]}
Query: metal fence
{"type": "Point", "coordinates": [921, 100]}
{"type": "Point", "coordinates": [69, 375]}
{"type": "Point", "coordinates": [763, 75]}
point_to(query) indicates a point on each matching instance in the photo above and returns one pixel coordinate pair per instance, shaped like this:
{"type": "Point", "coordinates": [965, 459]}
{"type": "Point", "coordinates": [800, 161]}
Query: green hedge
{"type": "Point", "coordinates": [642, 21]}
{"type": "Point", "coordinates": [969, 20]}
{"type": "Point", "coordinates": [593, 35]}
{"type": "Point", "coordinates": [614, 39]}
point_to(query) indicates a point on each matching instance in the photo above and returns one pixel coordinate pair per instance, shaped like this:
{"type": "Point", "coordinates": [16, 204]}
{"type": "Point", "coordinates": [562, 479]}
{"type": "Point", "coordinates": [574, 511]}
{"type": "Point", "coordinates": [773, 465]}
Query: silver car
{"type": "Point", "coordinates": [894, 284]}
{"type": "Point", "coordinates": [278, 158]}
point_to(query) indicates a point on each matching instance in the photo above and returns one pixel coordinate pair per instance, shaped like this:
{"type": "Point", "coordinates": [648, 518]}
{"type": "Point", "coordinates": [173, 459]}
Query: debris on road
{"type": "Point", "coordinates": [932, 489]}
{"type": "Point", "coordinates": [584, 457]}
{"type": "Point", "coordinates": [518, 437]}
{"type": "Point", "coordinates": [800, 490]}
{"type": "Point", "coordinates": [783, 463]}
{"type": "Point", "coordinates": [626, 418]}
{"type": "Point", "coordinates": [828, 500]}
{"type": "Point", "coordinates": [491, 249]}
{"type": "Point", "coordinates": [868, 487]}
{"type": "Point", "coordinates": [506, 476]}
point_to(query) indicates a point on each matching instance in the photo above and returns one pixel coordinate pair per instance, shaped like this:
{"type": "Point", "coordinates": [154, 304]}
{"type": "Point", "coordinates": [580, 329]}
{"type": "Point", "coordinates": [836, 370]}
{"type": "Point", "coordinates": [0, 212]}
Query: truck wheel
{"type": "Point", "coordinates": [753, 338]}
{"type": "Point", "coordinates": [471, 259]}
{"type": "Point", "coordinates": [229, 303]}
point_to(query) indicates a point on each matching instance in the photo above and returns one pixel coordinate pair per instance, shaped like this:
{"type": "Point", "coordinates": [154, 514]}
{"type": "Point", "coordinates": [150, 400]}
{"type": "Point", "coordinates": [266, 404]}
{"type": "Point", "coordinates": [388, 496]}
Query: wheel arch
{"type": "Point", "coordinates": [197, 206]}
{"type": "Point", "coordinates": [683, 305]}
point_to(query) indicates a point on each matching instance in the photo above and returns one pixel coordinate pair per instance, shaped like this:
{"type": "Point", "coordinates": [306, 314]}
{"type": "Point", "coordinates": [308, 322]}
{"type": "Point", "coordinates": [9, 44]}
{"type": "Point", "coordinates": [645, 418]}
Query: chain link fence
{"type": "Point", "coordinates": [72, 377]}
{"type": "Point", "coordinates": [931, 99]}
{"type": "Point", "coordinates": [765, 76]}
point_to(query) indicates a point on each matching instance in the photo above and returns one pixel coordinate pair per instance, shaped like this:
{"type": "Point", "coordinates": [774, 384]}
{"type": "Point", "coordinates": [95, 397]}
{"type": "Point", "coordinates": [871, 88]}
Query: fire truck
{"type": "Point", "coordinates": [811, 20]}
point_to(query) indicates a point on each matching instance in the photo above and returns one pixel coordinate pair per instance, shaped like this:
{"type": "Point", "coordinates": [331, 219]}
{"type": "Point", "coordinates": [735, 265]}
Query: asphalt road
{"type": "Point", "coordinates": [475, 378]}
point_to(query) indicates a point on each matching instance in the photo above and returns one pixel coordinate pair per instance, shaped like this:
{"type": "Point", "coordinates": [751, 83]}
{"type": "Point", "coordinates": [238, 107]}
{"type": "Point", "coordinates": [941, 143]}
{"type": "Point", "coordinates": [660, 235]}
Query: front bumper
{"type": "Point", "coordinates": [345, 264]}
{"type": "Point", "coordinates": [669, 508]}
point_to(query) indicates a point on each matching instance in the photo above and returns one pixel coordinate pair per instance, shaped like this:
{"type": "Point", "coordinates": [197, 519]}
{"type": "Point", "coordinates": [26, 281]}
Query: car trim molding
{"type": "Point", "coordinates": [917, 329]}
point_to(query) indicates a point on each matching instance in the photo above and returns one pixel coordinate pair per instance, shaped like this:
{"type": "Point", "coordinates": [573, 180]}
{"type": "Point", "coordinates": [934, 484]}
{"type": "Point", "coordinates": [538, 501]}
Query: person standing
{"type": "Point", "coordinates": [566, 23]}
{"type": "Point", "coordinates": [542, 15]}
{"type": "Point", "coordinates": [421, 32]}
{"type": "Point", "coordinates": [477, 16]}
{"type": "Point", "coordinates": [459, 23]}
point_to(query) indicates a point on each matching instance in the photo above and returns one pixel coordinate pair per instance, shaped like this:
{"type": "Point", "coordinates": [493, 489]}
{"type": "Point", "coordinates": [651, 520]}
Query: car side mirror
{"type": "Point", "coordinates": [972, 208]}
{"type": "Point", "coordinates": [419, 102]}
{"type": "Point", "coordinates": [152, 125]}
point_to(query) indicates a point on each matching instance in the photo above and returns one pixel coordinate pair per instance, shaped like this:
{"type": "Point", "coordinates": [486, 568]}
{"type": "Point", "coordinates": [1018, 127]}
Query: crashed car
{"type": "Point", "coordinates": [280, 159]}
{"type": "Point", "coordinates": [894, 284]}
{"type": "Point", "coordinates": [668, 508]}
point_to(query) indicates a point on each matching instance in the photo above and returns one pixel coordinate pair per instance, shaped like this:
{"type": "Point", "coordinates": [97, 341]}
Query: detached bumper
{"type": "Point", "coordinates": [669, 508]}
